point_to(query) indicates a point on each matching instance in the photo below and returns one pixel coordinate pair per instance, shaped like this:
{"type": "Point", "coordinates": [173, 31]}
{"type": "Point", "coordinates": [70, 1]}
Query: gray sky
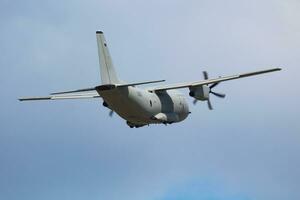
{"type": "Point", "coordinates": [246, 149]}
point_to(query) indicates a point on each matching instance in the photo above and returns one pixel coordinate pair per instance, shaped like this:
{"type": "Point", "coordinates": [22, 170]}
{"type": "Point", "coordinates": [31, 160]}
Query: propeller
{"type": "Point", "coordinates": [220, 95]}
{"type": "Point", "coordinates": [209, 105]}
{"type": "Point", "coordinates": [111, 113]}
{"type": "Point", "coordinates": [195, 101]}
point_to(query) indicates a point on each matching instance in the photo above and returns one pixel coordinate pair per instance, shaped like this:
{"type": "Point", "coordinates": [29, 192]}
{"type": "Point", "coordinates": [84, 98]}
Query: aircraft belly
{"type": "Point", "coordinates": [128, 105]}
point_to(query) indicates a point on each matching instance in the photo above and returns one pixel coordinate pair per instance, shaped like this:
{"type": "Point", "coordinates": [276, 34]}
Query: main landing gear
{"type": "Point", "coordinates": [131, 125]}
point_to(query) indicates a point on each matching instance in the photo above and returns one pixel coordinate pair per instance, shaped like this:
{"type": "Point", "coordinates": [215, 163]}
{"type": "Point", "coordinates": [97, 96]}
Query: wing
{"type": "Point", "coordinates": [85, 93]}
{"type": "Point", "coordinates": [67, 95]}
{"type": "Point", "coordinates": [211, 81]}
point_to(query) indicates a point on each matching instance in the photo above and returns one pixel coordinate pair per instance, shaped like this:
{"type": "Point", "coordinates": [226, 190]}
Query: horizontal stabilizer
{"type": "Point", "coordinates": [139, 83]}
{"type": "Point", "coordinates": [106, 87]}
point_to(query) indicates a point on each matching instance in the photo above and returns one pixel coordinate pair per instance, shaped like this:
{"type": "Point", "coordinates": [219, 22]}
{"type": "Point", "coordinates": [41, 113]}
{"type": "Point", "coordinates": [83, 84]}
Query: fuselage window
{"type": "Point", "coordinates": [150, 103]}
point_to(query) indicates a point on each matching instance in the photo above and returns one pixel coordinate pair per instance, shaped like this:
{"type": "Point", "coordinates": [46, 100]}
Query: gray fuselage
{"type": "Point", "coordinates": [141, 107]}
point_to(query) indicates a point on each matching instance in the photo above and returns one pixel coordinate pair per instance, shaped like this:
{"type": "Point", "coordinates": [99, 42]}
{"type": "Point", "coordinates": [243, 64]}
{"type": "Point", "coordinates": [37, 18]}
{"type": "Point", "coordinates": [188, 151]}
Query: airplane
{"type": "Point", "coordinates": [139, 106]}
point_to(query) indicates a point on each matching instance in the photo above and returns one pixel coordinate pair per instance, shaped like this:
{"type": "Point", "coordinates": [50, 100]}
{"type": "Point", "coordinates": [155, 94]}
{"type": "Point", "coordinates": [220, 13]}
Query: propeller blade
{"type": "Point", "coordinates": [205, 75]}
{"type": "Point", "coordinates": [218, 94]}
{"type": "Point", "coordinates": [209, 105]}
{"type": "Point", "coordinates": [195, 101]}
{"type": "Point", "coordinates": [111, 112]}
{"type": "Point", "coordinates": [214, 85]}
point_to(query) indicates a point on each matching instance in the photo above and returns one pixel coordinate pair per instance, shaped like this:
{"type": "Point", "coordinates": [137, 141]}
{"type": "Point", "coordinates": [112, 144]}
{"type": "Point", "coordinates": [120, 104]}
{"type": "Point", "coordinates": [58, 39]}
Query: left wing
{"type": "Point", "coordinates": [211, 81]}
{"type": "Point", "coordinates": [85, 93]}
{"type": "Point", "coordinates": [74, 95]}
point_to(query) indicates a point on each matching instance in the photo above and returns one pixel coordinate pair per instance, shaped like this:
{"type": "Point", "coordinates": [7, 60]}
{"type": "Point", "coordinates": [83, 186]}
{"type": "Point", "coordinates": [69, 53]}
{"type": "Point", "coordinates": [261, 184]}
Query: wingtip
{"type": "Point", "coordinates": [34, 98]}
{"type": "Point", "coordinates": [275, 69]}
{"type": "Point", "coordinates": [99, 32]}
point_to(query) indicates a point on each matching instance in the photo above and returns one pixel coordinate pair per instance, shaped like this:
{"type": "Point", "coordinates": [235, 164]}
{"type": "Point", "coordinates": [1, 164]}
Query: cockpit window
{"type": "Point", "coordinates": [150, 103]}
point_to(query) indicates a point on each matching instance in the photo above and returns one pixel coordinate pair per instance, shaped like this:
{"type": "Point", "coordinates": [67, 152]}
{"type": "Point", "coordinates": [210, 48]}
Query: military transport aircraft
{"type": "Point", "coordinates": [139, 107]}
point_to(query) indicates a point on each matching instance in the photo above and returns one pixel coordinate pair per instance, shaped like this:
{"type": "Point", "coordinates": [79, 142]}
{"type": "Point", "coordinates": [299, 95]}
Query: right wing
{"type": "Point", "coordinates": [74, 95]}
{"type": "Point", "coordinates": [210, 81]}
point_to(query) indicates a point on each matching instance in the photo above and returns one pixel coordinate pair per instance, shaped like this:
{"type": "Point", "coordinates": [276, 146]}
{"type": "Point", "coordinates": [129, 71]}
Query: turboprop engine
{"type": "Point", "coordinates": [200, 93]}
{"type": "Point", "coordinates": [203, 92]}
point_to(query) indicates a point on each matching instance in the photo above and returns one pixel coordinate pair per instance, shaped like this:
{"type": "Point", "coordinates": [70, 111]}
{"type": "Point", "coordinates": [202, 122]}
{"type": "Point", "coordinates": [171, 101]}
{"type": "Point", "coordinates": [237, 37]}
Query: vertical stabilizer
{"type": "Point", "coordinates": [107, 71]}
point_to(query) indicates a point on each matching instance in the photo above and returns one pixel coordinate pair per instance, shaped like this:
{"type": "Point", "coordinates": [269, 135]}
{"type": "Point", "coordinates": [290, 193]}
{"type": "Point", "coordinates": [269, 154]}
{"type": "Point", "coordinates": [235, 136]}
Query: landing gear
{"type": "Point", "coordinates": [166, 123]}
{"type": "Point", "coordinates": [131, 125]}
{"type": "Point", "coordinates": [105, 104]}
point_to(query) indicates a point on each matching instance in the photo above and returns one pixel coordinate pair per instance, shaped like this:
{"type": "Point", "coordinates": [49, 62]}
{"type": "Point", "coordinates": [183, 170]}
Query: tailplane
{"type": "Point", "coordinates": [107, 70]}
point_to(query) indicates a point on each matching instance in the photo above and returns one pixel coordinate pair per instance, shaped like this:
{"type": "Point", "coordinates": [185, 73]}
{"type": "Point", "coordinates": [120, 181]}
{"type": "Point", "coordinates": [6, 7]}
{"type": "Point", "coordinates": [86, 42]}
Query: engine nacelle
{"type": "Point", "coordinates": [200, 92]}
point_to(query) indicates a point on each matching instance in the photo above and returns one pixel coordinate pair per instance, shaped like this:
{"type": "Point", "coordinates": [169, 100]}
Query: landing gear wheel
{"type": "Point", "coordinates": [130, 124]}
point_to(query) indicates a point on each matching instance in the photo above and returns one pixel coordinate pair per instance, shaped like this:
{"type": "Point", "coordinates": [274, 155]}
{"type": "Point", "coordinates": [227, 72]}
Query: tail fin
{"type": "Point", "coordinates": [108, 74]}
